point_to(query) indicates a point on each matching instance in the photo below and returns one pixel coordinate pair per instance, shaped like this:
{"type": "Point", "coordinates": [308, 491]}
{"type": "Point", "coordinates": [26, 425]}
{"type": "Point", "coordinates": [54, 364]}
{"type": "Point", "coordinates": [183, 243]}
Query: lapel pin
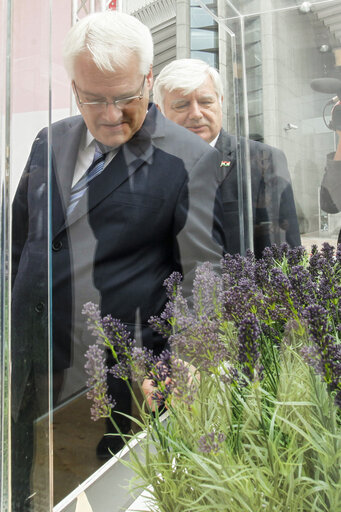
{"type": "Point", "coordinates": [225, 163]}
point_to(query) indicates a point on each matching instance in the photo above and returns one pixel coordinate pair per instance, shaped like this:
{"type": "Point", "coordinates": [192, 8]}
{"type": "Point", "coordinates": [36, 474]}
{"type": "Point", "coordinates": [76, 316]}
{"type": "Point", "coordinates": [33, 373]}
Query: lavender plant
{"type": "Point", "coordinates": [257, 425]}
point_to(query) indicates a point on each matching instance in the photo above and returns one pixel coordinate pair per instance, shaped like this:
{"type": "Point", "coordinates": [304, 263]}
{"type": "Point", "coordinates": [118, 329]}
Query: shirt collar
{"type": "Point", "coordinates": [91, 141]}
{"type": "Point", "coordinates": [213, 142]}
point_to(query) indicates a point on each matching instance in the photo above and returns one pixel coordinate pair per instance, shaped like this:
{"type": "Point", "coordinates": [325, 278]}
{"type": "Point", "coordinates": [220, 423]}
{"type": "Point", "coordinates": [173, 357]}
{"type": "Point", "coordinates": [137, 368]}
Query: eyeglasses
{"type": "Point", "coordinates": [120, 103]}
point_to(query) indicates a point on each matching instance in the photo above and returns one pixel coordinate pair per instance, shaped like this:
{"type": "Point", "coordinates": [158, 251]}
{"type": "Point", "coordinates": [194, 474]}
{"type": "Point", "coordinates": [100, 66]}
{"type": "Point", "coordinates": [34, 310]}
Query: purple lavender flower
{"type": "Point", "coordinates": [91, 310]}
{"type": "Point", "coordinates": [159, 373]}
{"type": "Point", "coordinates": [175, 315]}
{"type": "Point", "coordinates": [236, 267]}
{"type": "Point", "coordinates": [248, 338]}
{"type": "Point", "coordinates": [94, 320]}
{"type": "Point", "coordinates": [160, 324]}
{"type": "Point", "coordinates": [172, 284]}
{"type": "Point", "coordinates": [261, 273]}
{"type": "Point", "coordinates": [242, 298]}
{"type": "Point", "coordinates": [96, 368]}
{"type": "Point", "coordinates": [311, 356]}
{"type": "Point", "coordinates": [183, 317]}
{"type": "Point", "coordinates": [201, 343]}
{"type": "Point", "coordinates": [210, 443]}
{"type": "Point", "coordinates": [267, 257]}
{"type": "Point", "coordinates": [207, 291]}
{"type": "Point", "coordinates": [280, 251]}
{"type": "Point", "coordinates": [281, 296]}
{"type": "Point", "coordinates": [142, 360]}
{"type": "Point", "coordinates": [117, 336]}
{"type": "Point", "coordinates": [328, 252]}
{"type": "Point", "coordinates": [325, 353]}
{"type": "Point", "coordinates": [313, 266]}
{"type": "Point", "coordinates": [184, 383]}
{"type": "Point", "coordinates": [304, 288]}
{"type": "Point", "coordinates": [296, 256]}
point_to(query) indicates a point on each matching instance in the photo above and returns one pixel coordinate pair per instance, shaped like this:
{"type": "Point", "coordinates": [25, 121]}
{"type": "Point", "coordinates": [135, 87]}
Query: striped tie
{"type": "Point", "coordinates": [79, 189]}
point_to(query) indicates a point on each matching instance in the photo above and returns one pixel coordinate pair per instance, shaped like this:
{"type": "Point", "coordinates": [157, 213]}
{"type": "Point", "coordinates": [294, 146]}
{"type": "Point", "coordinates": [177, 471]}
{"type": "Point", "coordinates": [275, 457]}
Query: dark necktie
{"type": "Point", "coordinates": [79, 189]}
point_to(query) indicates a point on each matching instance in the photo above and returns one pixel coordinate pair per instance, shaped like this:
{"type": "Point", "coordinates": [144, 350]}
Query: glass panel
{"type": "Point", "coordinates": [282, 46]}
{"type": "Point", "coordinates": [238, 8]}
{"type": "Point", "coordinates": [204, 33]}
{"type": "Point", "coordinates": [203, 39]}
{"type": "Point", "coordinates": [28, 88]}
{"type": "Point", "coordinates": [4, 244]}
{"type": "Point", "coordinates": [200, 18]}
{"type": "Point", "coordinates": [75, 435]}
{"type": "Point", "coordinates": [274, 154]}
{"type": "Point", "coordinates": [116, 247]}
{"type": "Point", "coordinates": [208, 56]}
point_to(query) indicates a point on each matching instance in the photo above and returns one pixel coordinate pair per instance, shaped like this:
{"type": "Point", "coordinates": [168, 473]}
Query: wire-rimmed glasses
{"type": "Point", "coordinates": [119, 103]}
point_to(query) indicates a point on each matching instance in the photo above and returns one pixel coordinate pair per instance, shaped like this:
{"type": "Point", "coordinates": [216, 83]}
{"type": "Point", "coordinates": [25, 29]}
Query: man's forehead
{"type": "Point", "coordinates": [181, 94]}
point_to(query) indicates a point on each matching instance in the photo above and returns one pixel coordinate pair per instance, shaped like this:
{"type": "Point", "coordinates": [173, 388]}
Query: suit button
{"type": "Point", "coordinates": [56, 246]}
{"type": "Point", "coordinates": [39, 308]}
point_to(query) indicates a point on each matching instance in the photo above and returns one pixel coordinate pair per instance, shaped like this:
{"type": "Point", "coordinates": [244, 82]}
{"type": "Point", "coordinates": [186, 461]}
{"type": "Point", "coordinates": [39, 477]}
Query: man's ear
{"type": "Point", "coordinates": [150, 78]}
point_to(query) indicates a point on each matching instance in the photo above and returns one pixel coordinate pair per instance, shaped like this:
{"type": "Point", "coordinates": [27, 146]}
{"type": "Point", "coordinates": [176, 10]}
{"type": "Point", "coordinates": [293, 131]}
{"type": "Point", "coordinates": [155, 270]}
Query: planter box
{"type": "Point", "coordinates": [106, 490]}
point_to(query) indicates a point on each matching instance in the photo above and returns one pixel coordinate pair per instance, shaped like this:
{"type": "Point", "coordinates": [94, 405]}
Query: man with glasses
{"type": "Point", "coordinates": [190, 93]}
{"type": "Point", "coordinates": [127, 205]}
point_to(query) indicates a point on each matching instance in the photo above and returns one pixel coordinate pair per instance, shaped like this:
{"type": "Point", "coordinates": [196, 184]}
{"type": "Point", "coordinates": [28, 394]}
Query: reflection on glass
{"type": "Point", "coordinates": [331, 183]}
{"type": "Point", "coordinates": [210, 57]}
{"type": "Point", "coordinates": [30, 390]}
{"type": "Point", "coordinates": [204, 33]}
{"type": "Point", "coordinates": [200, 18]}
{"type": "Point", "coordinates": [279, 55]}
{"type": "Point", "coordinates": [126, 211]}
{"type": "Point", "coordinates": [201, 39]}
{"type": "Point", "coordinates": [283, 53]}
{"type": "Point", "coordinates": [5, 24]}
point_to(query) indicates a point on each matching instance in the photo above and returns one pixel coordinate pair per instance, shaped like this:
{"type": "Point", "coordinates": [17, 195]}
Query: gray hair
{"type": "Point", "coordinates": [187, 75]}
{"type": "Point", "coordinates": [111, 38]}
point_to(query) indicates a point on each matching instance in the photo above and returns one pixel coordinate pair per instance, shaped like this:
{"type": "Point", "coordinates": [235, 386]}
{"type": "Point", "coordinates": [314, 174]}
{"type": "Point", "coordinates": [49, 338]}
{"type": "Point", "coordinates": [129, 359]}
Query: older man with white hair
{"type": "Point", "coordinates": [127, 209]}
{"type": "Point", "coordinates": [190, 93]}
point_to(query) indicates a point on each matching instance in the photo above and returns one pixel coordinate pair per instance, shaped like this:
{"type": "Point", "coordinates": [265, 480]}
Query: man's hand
{"type": "Point", "coordinates": [150, 390]}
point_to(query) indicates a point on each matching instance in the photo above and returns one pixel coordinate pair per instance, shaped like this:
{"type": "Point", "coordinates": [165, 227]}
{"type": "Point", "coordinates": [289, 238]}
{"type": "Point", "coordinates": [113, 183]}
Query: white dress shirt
{"type": "Point", "coordinates": [86, 155]}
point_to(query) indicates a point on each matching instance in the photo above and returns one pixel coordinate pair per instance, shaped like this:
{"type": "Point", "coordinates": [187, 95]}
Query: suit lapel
{"type": "Point", "coordinates": [131, 156]}
{"type": "Point", "coordinates": [64, 157]}
{"type": "Point", "coordinates": [226, 145]}
{"type": "Point", "coordinates": [99, 188]}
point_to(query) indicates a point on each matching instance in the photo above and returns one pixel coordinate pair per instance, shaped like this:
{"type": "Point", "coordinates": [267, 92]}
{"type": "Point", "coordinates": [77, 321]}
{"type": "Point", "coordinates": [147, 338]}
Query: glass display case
{"type": "Point", "coordinates": [280, 62]}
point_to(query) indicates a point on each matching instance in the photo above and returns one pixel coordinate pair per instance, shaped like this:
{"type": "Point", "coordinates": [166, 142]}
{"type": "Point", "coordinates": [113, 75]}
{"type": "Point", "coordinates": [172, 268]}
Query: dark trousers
{"type": "Point", "coordinates": [22, 450]}
{"type": "Point", "coordinates": [22, 439]}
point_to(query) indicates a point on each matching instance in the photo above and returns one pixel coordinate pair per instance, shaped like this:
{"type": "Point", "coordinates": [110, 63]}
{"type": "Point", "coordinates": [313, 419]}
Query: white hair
{"type": "Point", "coordinates": [111, 38]}
{"type": "Point", "coordinates": [187, 75]}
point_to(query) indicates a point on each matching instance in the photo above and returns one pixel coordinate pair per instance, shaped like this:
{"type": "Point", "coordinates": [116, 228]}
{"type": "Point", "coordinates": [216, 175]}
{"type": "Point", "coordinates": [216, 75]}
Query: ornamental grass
{"type": "Point", "coordinates": [251, 382]}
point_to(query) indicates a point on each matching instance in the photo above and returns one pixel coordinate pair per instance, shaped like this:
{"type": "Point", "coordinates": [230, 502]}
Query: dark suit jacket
{"type": "Point", "coordinates": [273, 207]}
{"type": "Point", "coordinates": [330, 192]}
{"type": "Point", "coordinates": [143, 217]}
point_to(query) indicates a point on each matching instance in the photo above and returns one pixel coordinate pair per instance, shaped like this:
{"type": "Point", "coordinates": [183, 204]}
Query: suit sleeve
{"type": "Point", "coordinates": [330, 193]}
{"type": "Point", "coordinates": [29, 183]}
{"type": "Point", "coordinates": [287, 210]}
{"type": "Point", "coordinates": [20, 218]}
{"type": "Point", "coordinates": [199, 213]}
